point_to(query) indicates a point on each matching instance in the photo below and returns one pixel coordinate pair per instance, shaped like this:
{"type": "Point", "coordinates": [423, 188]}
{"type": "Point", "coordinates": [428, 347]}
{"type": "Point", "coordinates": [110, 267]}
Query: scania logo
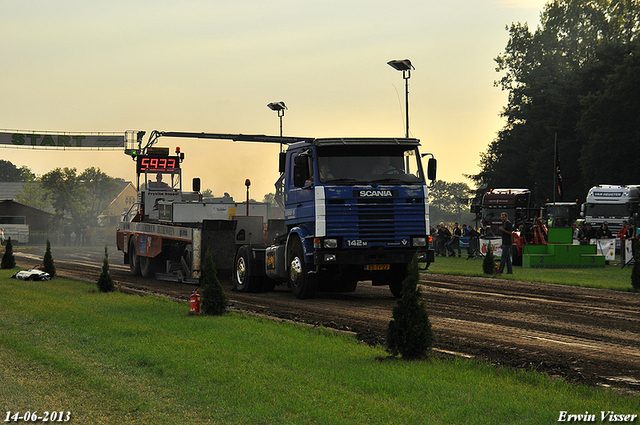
{"type": "Point", "coordinates": [376, 193]}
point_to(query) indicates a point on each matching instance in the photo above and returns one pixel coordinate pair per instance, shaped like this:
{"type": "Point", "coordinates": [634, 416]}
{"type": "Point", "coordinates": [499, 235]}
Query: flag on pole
{"type": "Point", "coordinates": [558, 176]}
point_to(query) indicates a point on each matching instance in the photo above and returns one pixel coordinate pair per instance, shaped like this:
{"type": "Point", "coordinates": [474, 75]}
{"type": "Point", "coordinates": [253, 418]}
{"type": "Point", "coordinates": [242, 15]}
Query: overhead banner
{"type": "Point", "coordinates": [46, 140]}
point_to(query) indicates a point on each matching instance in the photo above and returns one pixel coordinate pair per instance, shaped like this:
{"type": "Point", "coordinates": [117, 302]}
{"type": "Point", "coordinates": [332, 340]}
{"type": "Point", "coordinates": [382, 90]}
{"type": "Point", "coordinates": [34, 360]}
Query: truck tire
{"type": "Point", "coordinates": [148, 267]}
{"type": "Point", "coordinates": [134, 258]}
{"type": "Point", "coordinates": [242, 279]}
{"type": "Point", "coordinates": [302, 285]}
{"type": "Point", "coordinates": [393, 278]}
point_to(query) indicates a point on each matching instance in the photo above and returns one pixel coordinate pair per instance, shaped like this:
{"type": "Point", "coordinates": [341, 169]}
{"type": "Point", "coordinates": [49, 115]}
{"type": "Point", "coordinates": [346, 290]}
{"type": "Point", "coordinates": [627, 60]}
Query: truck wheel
{"type": "Point", "coordinates": [242, 279]}
{"type": "Point", "coordinates": [302, 285]}
{"type": "Point", "coordinates": [148, 267]}
{"type": "Point", "coordinates": [134, 259]}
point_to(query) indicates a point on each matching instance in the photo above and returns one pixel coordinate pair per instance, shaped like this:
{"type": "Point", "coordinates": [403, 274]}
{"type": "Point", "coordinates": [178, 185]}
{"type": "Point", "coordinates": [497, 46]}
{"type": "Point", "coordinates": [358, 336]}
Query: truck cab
{"type": "Point", "coordinates": [357, 209]}
{"type": "Point", "coordinates": [611, 203]}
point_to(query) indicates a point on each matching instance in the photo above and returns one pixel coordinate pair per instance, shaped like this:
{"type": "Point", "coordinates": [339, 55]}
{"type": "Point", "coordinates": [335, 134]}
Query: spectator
{"type": "Point", "coordinates": [474, 242]}
{"type": "Point", "coordinates": [586, 233]}
{"type": "Point", "coordinates": [444, 235]}
{"type": "Point", "coordinates": [506, 231]}
{"type": "Point", "coordinates": [67, 235]}
{"type": "Point", "coordinates": [454, 242]}
{"type": "Point", "coordinates": [624, 232]}
{"type": "Point", "coordinates": [623, 235]}
{"type": "Point", "coordinates": [604, 232]}
{"type": "Point", "coordinates": [632, 235]}
{"type": "Point", "coordinates": [87, 236]}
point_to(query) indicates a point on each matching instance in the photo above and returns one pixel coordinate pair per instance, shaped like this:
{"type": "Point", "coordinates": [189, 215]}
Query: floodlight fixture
{"type": "Point", "coordinates": [401, 65]}
{"type": "Point", "coordinates": [279, 107]}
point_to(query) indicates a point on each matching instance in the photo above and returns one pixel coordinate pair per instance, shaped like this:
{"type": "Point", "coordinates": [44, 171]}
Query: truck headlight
{"type": "Point", "coordinates": [331, 243]}
{"type": "Point", "coordinates": [419, 241]}
{"type": "Point", "coordinates": [330, 257]}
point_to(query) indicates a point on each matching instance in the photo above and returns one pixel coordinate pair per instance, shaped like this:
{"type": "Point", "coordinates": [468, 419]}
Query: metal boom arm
{"type": "Point", "coordinates": [155, 135]}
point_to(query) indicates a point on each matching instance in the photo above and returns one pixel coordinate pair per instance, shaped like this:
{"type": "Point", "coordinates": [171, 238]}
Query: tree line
{"type": "Point", "coordinates": [74, 198]}
{"type": "Point", "coordinates": [573, 80]}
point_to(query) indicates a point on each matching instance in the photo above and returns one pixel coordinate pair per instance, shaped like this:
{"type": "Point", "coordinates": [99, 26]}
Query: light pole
{"type": "Point", "coordinates": [278, 107]}
{"type": "Point", "coordinates": [405, 66]}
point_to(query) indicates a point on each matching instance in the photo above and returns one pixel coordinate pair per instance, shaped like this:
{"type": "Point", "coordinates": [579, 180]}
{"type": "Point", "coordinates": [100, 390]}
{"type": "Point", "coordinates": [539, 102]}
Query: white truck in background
{"type": "Point", "coordinates": [613, 204]}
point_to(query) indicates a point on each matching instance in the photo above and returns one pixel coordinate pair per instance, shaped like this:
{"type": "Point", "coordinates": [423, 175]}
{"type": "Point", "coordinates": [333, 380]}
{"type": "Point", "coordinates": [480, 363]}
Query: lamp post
{"type": "Point", "coordinates": [279, 107]}
{"type": "Point", "coordinates": [405, 66]}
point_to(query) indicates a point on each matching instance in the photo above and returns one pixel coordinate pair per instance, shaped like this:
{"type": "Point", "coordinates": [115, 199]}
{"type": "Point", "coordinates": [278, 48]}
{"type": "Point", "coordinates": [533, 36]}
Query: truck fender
{"type": "Point", "coordinates": [306, 237]}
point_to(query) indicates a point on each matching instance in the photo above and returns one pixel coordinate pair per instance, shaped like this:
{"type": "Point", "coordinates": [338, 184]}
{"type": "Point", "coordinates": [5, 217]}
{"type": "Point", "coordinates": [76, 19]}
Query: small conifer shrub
{"type": "Point", "coordinates": [409, 332]}
{"type": "Point", "coordinates": [105, 282]}
{"type": "Point", "coordinates": [489, 262]}
{"type": "Point", "coordinates": [47, 261]}
{"type": "Point", "coordinates": [8, 260]}
{"type": "Point", "coordinates": [213, 299]}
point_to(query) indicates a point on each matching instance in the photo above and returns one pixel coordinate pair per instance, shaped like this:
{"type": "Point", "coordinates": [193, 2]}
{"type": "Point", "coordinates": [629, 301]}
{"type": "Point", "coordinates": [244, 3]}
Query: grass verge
{"type": "Point", "coordinates": [115, 358]}
{"type": "Point", "coordinates": [611, 276]}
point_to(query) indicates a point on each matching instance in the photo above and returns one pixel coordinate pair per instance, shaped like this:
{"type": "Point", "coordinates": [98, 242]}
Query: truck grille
{"type": "Point", "coordinates": [376, 220]}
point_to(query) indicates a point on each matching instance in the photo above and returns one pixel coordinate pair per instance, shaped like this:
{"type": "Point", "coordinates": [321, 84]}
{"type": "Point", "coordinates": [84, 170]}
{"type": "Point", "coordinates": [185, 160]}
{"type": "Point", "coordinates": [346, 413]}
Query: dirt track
{"type": "Point", "coordinates": [584, 335]}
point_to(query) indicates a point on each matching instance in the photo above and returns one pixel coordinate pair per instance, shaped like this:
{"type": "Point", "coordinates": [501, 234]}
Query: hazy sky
{"type": "Point", "coordinates": [212, 66]}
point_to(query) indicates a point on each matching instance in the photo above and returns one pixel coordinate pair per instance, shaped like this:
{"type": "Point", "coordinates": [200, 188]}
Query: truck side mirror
{"type": "Point", "coordinates": [282, 162]}
{"type": "Point", "coordinates": [195, 184]}
{"type": "Point", "coordinates": [432, 166]}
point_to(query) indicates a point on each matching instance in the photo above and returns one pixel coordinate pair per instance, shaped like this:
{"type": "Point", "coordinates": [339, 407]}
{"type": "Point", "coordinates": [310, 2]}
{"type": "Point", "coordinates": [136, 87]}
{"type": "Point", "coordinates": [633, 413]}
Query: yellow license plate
{"type": "Point", "coordinates": [372, 267]}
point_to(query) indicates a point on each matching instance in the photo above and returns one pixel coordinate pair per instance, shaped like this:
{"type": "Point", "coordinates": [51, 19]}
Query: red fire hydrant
{"type": "Point", "coordinates": [195, 302]}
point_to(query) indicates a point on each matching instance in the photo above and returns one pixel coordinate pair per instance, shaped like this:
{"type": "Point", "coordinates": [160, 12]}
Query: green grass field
{"type": "Point", "coordinates": [612, 276]}
{"type": "Point", "coordinates": [116, 358]}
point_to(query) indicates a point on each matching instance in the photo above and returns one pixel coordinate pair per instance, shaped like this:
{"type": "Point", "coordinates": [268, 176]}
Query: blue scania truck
{"type": "Point", "coordinates": [355, 209]}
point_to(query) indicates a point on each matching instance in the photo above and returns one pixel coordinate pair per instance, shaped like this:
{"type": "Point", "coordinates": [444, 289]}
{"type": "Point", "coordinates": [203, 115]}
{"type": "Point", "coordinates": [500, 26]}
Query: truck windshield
{"type": "Point", "coordinates": [162, 181]}
{"type": "Point", "coordinates": [608, 210]}
{"type": "Point", "coordinates": [493, 216]}
{"type": "Point", "coordinates": [349, 165]}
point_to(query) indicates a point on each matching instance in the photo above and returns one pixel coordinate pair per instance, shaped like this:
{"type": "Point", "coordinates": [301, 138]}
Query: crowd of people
{"type": "Point", "coordinates": [447, 242]}
{"type": "Point", "coordinates": [585, 232]}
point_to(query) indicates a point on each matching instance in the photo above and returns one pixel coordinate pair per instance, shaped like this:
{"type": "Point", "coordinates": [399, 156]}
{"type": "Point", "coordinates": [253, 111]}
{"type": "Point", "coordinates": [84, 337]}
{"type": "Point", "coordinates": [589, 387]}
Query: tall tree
{"type": "Point", "coordinates": [64, 192]}
{"type": "Point", "coordinates": [100, 189]}
{"type": "Point", "coordinates": [611, 125]}
{"type": "Point", "coordinates": [10, 173]}
{"type": "Point", "coordinates": [548, 73]}
{"type": "Point", "coordinates": [79, 197]}
{"type": "Point", "coordinates": [449, 202]}
{"type": "Point", "coordinates": [34, 195]}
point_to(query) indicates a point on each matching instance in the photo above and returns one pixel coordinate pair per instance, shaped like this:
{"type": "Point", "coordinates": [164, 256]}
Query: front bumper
{"type": "Point", "coordinates": [326, 257]}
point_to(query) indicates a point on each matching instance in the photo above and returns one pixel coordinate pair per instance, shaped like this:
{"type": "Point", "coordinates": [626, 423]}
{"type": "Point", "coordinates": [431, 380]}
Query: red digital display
{"type": "Point", "coordinates": [158, 164]}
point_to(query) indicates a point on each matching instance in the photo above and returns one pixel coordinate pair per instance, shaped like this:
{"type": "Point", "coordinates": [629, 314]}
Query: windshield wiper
{"type": "Point", "coordinates": [341, 181]}
{"type": "Point", "coordinates": [389, 180]}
